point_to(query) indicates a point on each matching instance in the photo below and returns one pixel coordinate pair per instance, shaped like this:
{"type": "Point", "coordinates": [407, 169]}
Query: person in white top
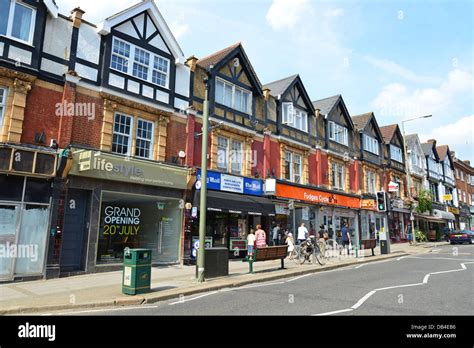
{"type": "Point", "coordinates": [302, 233]}
{"type": "Point", "coordinates": [276, 232]}
{"type": "Point", "coordinates": [250, 244]}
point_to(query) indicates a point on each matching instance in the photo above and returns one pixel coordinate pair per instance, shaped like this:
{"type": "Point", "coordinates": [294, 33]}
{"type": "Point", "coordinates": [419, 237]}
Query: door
{"type": "Point", "coordinates": [74, 232]}
{"type": "Point", "coordinates": [9, 222]}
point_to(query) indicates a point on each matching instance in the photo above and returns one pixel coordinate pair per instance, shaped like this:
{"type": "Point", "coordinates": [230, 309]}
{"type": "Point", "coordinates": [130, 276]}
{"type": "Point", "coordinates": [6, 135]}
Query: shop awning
{"type": "Point", "coordinates": [443, 215]}
{"type": "Point", "coordinates": [236, 203]}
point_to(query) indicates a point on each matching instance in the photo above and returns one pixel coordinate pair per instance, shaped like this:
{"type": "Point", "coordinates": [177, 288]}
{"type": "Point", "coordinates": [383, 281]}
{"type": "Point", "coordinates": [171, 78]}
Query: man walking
{"type": "Point", "coordinates": [302, 233]}
{"type": "Point", "coordinates": [346, 238]}
{"type": "Point", "coordinates": [276, 234]}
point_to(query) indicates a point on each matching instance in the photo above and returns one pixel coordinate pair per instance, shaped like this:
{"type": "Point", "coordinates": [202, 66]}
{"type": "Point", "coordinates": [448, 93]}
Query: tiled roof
{"type": "Point", "coordinates": [388, 132]}
{"type": "Point", "coordinates": [411, 140]}
{"type": "Point", "coordinates": [279, 87]}
{"type": "Point", "coordinates": [427, 147]}
{"type": "Point", "coordinates": [326, 104]}
{"type": "Point", "coordinates": [360, 121]}
{"type": "Point", "coordinates": [216, 57]}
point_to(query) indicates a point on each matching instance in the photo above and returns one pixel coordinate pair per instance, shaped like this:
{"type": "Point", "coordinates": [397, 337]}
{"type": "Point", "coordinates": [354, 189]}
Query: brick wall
{"type": "Point", "coordinates": [40, 115]}
{"type": "Point", "coordinates": [176, 140]}
{"type": "Point", "coordinates": [313, 164]}
{"type": "Point", "coordinates": [258, 158]}
{"type": "Point", "coordinates": [275, 159]}
{"type": "Point", "coordinates": [87, 131]}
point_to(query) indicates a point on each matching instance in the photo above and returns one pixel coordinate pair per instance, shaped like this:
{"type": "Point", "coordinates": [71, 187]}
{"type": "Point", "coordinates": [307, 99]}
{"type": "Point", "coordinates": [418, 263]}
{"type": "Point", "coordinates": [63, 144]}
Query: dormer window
{"type": "Point", "coordinates": [233, 97]}
{"type": "Point", "coordinates": [295, 117]}
{"type": "Point", "coordinates": [396, 153]}
{"type": "Point", "coordinates": [146, 65]}
{"type": "Point", "coordinates": [371, 145]}
{"type": "Point", "coordinates": [17, 20]}
{"type": "Point", "coordinates": [338, 133]}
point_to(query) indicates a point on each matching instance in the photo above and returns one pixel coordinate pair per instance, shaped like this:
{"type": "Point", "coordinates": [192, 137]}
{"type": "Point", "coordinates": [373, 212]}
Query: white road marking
{"type": "Point", "coordinates": [335, 312]}
{"type": "Point", "coordinates": [102, 310]}
{"type": "Point", "coordinates": [425, 282]}
{"type": "Point", "coordinates": [303, 276]}
{"type": "Point", "coordinates": [437, 258]}
{"type": "Point", "coordinates": [259, 285]}
{"type": "Point", "coordinates": [192, 299]}
{"type": "Point", "coordinates": [360, 266]}
{"type": "Point", "coordinates": [362, 300]}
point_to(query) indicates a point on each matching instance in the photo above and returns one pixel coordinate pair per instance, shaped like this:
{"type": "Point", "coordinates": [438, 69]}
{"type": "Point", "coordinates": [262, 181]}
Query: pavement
{"type": "Point", "coordinates": [175, 283]}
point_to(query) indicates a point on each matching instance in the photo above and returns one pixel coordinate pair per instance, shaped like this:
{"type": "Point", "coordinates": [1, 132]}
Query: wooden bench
{"type": "Point", "coordinates": [268, 254]}
{"type": "Point", "coordinates": [369, 244]}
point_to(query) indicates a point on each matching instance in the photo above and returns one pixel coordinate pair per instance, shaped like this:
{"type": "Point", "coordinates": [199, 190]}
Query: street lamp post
{"type": "Point", "coordinates": [203, 200]}
{"type": "Point", "coordinates": [408, 167]}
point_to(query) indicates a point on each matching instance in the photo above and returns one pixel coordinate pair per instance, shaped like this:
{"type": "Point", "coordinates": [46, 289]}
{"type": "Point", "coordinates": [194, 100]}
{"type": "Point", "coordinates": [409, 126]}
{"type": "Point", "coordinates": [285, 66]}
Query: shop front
{"type": "Point", "coordinates": [26, 177]}
{"type": "Point", "coordinates": [317, 207]}
{"type": "Point", "coordinates": [235, 206]}
{"type": "Point", "coordinates": [399, 220]}
{"type": "Point", "coordinates": [465, 217]}
{"type": "Point", "coordinates": [123, 203]}
{"type": "Point", "coordinates": [371, 220]}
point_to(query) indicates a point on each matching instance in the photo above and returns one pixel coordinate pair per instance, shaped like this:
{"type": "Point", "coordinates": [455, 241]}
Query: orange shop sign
{"type": "Point", "coordinates": [367, 204]}
{"type": "Point", "coordinates": [314, 196]}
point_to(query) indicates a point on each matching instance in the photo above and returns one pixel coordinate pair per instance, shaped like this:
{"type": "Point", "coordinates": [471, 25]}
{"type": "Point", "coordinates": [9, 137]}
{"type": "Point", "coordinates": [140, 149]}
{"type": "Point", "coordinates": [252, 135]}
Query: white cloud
{"type": "Point", "coordinates": [397, 100]}
{"type": "Point", "coordinates": [285, 14]}
{"type": "Point", "coordinates": [395, 69]}
{"type": "Point", "coordinates": [335, 12]}
{"type": "Point", "coordinates": [460, 133]}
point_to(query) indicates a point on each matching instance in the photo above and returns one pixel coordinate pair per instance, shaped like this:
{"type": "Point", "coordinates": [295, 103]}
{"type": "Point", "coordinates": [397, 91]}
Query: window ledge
{"type": "Point", "coordinates": [25, 43]}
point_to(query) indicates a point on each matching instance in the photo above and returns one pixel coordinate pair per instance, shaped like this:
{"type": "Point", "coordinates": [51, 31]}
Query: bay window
{"type": "Point", "coordinates": [293, 167]}
{"type": "Point", "coordinates": [338, 176]}
{"type": "Point", "coordinates": [17, 20]}
{"type": "Point", "coordinates": [3, 103]}
{"type": "Point", "coordinates": [338, 133]}
{"type": "Point", "coordinates": [233, 97]}
{"type": "Point", "coordinates": [146, 66]}
{"type": "Point", "coordinates": [371, 145]}
{"type": "Point", "coordinates": [396, 153]}
{"type": "Point", "coordinates": [295, 117]}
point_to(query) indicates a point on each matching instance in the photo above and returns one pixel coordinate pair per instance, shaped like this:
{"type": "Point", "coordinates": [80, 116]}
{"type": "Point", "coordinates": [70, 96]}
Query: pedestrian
{"type": "Point", "coordinates": [276, 232]}
{"type": "Point", "coordinates": [302, 233]}
{"type": "Point", "coordinates": [291, 243]}
{"type": "Point", "coordinates": [261, 237]}
{"type": "Point", "coordinates": [250, 244]}
{"type": "Point", "coordinates": [346, 238]}
{"type": "Point", "coordinates": [409, 235]}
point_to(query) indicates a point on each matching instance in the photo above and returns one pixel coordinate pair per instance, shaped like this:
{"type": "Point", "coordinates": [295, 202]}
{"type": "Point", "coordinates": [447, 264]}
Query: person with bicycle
{"type": "Point", "coordinates": [321, 239]}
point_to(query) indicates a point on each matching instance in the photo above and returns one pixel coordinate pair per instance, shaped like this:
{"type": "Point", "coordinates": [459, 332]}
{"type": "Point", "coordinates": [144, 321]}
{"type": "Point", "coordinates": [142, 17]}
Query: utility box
{"type": "Point", "coordinates": [136, 271]}
{"type": "Point", "coordinates": [216, 263]}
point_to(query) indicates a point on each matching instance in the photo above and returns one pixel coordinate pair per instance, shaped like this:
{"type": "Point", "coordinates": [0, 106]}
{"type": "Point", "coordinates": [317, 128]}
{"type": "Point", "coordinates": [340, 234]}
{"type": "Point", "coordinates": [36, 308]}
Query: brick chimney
{"type": "Point", "coordinates": [76, 16]}
{"type": "Point", "coordinates": [192, 62]}
{"type": "Point", "coordinates": [266, 94]}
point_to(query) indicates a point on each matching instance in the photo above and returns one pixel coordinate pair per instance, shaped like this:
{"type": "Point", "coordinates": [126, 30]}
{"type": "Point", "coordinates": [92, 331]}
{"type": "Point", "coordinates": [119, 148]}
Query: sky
{"type": "Point", "coordinates": [398, 59]}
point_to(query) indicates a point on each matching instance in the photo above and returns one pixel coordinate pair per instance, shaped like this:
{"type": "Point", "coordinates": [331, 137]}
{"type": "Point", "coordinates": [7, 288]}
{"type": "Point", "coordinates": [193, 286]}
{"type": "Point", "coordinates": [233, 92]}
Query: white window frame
{"type": "Point", "coordinates": [371, 182]}
{"type": "Point", "coordinates": [462, 175]}
{"type": "Point", "coordinates": [234, 89]}
{"type": "Point", "coordinates": [131, 61]}
{"type": "Point", "coordinates": [338, 176]}
{"type": "Point", "coordinates": [130, 135]}
{"type": "Point", "coordinates": [236, 159]}
{"type": "Point", "coordinates": [371, 145]}
{"type": "Point", "coordinates": [297, 168]}
{"type": "Point", "coordinates": [151, 141]}
{"type": "Point", "coordinates": [396, 153]}
{"type": "Point", "coordinates": [289, 160]}
{"type": "Point", "coordinates": [290, 115]}
{"type": "Point", "coordinates": [335, 131]}
{"type": "Point", "coordinates": [11, 16]}
{"type": "Point", "coordinates": [3, 104]}
{"type": "Point", "coordinates": [225, 157]}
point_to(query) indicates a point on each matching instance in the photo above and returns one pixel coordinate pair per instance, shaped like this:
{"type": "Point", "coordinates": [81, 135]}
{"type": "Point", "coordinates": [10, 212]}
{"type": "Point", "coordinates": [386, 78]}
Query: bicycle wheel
{"type": "Point", "coordinates": [319, 256]}
{"type": "Point", "coordinates": [301, 257]}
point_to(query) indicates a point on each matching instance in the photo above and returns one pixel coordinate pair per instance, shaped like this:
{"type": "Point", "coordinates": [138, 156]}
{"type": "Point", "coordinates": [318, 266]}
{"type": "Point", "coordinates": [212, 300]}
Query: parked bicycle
{"type": "Point", "coordinates": [310, 250]}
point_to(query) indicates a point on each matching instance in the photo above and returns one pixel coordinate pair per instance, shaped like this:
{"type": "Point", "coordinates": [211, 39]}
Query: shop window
{"type": "Point", "coordinates": [17, 20]}
{"type": "Point", "coordinates": [122, 137]}
{"type": "Point", "coordinates": [144, 145]}
{"type": "Point", "coordinates": [338, 176]}
{"type": "Point", "coordinates": [3, 103]}
{"type": "Point", "coordinates": [12, 188]}
{"type": "Point", "coordinates": [5, 158]}
{"type": "Point", "coordinates": [23, 161]}
{"type": "Point", "coordinates": [37, 191]}
{"type": "Point", "coordinates": [44, 164]}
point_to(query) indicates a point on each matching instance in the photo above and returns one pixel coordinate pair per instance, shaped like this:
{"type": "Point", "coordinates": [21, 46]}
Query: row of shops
{"type": "Point", "coordinates": [84, 223]}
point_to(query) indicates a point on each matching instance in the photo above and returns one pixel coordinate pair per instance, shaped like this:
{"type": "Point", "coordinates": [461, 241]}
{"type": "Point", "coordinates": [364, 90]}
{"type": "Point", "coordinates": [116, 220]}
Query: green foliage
{"type": "Point", "coordinates": [425, 202]}
{"type": "Point", "coordinates": [420, 236]}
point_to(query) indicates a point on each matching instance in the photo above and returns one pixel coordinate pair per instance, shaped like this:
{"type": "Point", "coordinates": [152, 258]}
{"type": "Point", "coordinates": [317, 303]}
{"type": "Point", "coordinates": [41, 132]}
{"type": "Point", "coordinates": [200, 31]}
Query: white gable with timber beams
{"type": "Point", "coordinates": [145, 22]}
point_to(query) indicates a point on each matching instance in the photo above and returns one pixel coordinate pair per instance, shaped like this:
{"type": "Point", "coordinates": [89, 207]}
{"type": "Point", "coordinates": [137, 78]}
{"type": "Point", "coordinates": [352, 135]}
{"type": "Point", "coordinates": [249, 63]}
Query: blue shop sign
{"type": "Point", "coordinates": [229, 183]}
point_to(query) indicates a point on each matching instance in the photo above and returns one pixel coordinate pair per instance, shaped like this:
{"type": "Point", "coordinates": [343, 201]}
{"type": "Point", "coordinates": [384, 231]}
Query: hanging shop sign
{"type": "Point", "coordinates": [238, 244]}
{"type": "Point", "coordinates": [447, 198]}
{"type": "Point", "coordinates": [393, 187]}
{"type": "Point", "coordinates": [454, 210]}
{"type": "Point", "coordinates": [229, 183]}
{"type": "Point", "coordinates": [281, 209]}
{"type": "Point", "coordinates": [316, 197]}
{"type": "Point", "coordinates": [99, 165]}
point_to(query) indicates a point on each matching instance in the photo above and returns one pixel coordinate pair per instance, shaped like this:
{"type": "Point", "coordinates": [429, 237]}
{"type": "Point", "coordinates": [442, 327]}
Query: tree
{"type": "Point", "coordinates": [425, 202]}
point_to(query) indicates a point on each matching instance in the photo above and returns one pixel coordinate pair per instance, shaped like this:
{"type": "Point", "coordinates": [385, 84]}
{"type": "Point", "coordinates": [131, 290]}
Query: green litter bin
{"type": "Point", "coordinates": [136, 271]}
